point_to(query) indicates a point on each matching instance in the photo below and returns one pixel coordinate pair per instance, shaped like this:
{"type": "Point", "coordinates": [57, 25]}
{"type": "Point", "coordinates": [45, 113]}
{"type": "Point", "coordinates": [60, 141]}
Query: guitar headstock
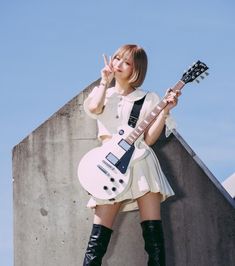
{"type": "Point", "coordinates": [195, 71]}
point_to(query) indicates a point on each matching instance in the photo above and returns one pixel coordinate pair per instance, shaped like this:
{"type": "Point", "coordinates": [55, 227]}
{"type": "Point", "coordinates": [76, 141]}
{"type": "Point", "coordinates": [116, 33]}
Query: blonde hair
{"type": "Point", "coordinates": [140, 62]}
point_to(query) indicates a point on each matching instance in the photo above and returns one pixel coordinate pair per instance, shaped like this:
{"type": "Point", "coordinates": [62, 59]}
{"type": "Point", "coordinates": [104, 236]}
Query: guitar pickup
{"type": "Point", "coordinates": [124, 145]}
{"type": "Point", "coordinates": [112, 158]}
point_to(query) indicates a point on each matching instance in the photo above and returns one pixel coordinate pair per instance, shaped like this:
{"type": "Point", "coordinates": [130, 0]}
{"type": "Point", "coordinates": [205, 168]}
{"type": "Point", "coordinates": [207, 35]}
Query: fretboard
{"type": "Point", "coordinates": [144, 124]}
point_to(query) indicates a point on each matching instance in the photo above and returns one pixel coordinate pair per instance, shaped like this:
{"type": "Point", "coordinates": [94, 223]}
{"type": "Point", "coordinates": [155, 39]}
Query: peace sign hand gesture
{"type": "Point", "coordinates": [107, 72]}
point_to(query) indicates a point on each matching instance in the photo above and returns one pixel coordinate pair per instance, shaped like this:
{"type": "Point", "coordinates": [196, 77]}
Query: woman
{"type": "Point", "coordinates": [111, 107]}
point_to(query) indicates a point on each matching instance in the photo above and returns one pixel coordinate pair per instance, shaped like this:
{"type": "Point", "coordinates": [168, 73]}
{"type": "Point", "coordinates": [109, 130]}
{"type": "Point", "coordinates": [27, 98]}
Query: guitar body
{"type": "Point", "coordinates": [104, 171]}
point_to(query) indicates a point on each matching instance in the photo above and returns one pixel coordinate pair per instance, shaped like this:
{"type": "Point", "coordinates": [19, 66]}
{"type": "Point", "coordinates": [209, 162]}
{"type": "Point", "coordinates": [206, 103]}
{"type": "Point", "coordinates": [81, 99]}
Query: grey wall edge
{"type": "Point", "coordinates": [204, 168]}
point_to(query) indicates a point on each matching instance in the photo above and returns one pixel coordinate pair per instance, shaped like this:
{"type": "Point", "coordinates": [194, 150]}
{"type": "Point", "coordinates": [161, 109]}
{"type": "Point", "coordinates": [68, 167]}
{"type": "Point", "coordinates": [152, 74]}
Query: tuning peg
{"type": "Point", "coordinates": [206, 73]}
{"type": "Point", "coordinates": [202, 77]}
{"type": "Point", "coordinates": [197, 81]}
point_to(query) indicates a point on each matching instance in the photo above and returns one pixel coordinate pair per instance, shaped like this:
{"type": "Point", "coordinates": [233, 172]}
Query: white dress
{"type": "Point", "coordinates": [146, 173]}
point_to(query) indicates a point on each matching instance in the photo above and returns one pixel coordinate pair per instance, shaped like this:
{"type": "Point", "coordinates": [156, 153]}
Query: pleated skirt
{"type": "Point", "coordinates": [147, 176]}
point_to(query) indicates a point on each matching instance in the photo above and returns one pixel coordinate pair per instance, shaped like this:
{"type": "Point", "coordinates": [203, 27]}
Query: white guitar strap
{"type": "Point", "coordinates": [135, 112]}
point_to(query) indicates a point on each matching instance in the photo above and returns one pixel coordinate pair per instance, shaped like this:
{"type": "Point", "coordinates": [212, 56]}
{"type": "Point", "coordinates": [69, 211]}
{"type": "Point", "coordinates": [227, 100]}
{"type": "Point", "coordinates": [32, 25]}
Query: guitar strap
{"type": "Point", "coordinates": [135, 112]}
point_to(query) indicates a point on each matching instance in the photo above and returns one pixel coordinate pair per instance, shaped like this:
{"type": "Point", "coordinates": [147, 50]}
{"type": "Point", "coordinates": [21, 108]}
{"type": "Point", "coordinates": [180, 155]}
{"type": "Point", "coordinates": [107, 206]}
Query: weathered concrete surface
{"type": "Point", "coordinates": [199, 221]}
{"type": "Point", "coordinates": [52, 224]}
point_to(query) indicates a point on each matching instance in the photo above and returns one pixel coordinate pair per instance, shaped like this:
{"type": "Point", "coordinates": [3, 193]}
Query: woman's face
{"type": "Point", "coordinates": [123, 66]}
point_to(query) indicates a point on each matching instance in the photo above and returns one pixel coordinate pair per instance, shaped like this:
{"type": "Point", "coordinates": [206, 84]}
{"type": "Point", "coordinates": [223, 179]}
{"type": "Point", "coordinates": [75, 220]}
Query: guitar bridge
{"type": "Point", "coordinates": [103, 170]}
{"type": "Point", "coordinates": [108, 165]}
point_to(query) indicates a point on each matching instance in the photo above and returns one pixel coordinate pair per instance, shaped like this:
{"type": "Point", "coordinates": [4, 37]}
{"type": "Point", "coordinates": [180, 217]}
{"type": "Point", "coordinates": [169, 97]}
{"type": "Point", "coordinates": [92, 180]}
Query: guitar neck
{"type": "Point", "coordinates": [144, 124]}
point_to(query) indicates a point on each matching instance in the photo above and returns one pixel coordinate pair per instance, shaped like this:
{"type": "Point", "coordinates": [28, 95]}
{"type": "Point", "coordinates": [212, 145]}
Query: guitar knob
{"type": "Point", "coordinates": [121, 132]}
{"type": "Point", "coordinates": [105, 187]}
{"type": "Point", "coordinates": [121, 181]}
{"type": "Point", "coordinates": [114, 189]}
{"type": "Point", "coordinates": [112, 179]}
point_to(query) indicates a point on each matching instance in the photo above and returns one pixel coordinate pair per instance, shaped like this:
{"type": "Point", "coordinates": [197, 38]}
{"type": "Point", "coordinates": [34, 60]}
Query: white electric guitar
{"type": "Point", "coordinates": [104, 172]}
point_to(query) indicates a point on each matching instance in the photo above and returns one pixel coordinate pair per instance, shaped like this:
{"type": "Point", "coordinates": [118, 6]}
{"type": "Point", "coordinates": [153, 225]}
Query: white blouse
{"type": "Point", "coordinates": [118, 108]}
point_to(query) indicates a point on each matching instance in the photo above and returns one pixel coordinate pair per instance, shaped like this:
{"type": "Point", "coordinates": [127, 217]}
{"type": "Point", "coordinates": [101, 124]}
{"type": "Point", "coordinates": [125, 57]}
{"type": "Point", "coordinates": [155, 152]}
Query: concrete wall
{"type": "Point", "coordinates": [52, 224]}
{"type": "Point", "coordinates": [200, 220]}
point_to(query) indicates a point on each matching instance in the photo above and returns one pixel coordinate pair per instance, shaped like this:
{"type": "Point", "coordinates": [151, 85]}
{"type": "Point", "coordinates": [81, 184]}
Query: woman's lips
{"type": "Point", "coordinates": [117, 70]}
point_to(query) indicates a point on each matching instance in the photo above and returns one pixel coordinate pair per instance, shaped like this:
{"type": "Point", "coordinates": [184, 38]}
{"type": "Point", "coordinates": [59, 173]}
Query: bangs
{"type": "Point", "coordinates": [125, 50]}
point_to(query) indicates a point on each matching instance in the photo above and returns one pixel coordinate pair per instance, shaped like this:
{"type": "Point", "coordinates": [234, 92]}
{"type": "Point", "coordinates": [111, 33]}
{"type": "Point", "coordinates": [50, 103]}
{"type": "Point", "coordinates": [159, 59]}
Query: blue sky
{"type": "Point", "coordinates": [51, 50]}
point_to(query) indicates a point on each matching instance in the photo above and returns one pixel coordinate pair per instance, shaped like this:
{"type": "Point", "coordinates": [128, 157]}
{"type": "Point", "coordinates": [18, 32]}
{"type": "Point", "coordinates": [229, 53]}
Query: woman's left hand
{"type": "Point", "coordinates": [171, 98]}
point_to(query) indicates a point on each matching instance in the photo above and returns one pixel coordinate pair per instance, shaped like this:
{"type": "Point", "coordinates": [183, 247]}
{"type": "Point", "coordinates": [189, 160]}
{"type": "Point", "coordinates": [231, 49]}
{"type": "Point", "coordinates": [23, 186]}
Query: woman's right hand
{"type": "Point", "coordinates": [107, 72]}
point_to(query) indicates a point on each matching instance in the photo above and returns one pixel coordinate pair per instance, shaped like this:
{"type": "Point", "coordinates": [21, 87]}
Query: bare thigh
{"type": "Point", "coordinates": [106, 214]}
{"type": "Point", "coordinates": [149, 205]}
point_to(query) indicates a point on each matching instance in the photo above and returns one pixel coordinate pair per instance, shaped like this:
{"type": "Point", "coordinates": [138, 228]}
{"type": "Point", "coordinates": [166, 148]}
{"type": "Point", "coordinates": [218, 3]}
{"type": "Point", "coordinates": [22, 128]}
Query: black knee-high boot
{"type": "Point", "coordinates": [154, 242]}
{"type": "Point", "coordinates": [97, 245]}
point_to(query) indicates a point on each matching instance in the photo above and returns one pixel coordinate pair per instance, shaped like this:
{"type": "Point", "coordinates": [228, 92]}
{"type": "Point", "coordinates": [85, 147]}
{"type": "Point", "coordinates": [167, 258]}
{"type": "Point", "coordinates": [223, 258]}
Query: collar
{"type": "Point", "coordinates": [136, 95]}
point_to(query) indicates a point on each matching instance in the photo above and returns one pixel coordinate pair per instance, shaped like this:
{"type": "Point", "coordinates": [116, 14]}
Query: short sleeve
{"type": "Point", "coordinates": [86, 103]}
{"type": "Point", "coordinates": [170, 125]}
